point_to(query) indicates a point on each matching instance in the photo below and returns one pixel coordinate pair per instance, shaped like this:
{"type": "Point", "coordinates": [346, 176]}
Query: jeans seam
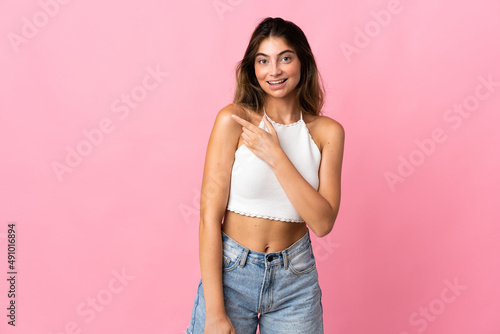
{"type": "Point", "coordinates": [271, 288]}
{"type": "Point", "coordinates": [233, 266]}
{"type": "Point", "coordinates": [196, 304]}
{"type": "Point", "coordinates": [305, 271]}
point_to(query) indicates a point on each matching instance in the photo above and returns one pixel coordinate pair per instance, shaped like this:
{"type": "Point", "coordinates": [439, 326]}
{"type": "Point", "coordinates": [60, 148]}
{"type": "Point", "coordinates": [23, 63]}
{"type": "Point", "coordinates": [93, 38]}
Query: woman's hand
{"type": "Point", "coordinates": [262, 143]}
{"type": "Point", "coordinates": [219, 325]}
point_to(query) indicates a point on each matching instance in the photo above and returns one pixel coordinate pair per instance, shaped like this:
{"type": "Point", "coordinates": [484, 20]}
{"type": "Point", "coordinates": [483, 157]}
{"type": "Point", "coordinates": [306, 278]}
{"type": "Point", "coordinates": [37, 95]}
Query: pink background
{"type": "Point", "coordinates": [110, 245]}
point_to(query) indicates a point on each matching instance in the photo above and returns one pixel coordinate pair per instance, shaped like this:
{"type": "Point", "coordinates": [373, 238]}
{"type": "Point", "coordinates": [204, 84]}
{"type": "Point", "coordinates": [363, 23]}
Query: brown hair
{"type": "Point", "coordinates": [310, 93]}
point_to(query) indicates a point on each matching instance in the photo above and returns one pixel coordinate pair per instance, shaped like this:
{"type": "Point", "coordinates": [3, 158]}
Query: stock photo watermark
{"type": "Point", "coordinates": [94, 137]}
{"type": "Point", "coordinates": [453, 117]}
{"type": "Point", "coordinates": [420, 319]}
{"type": "Point", "coordinates": [223, 6]}
{"type": "Point", "coordinates": [326, 247]}
{"type": "Point", "coordinates": [94, 304]}
{"type": "Point", "coordinates": [214, 185]}
{"type": "Point", "coordinates": [191, 212]}
{"type": "Point", "coordinates": [31, 27]}
{"type": "Point", "coordinates": [12, 272]}
{"type": "Point", "coordinates": [371, 30]}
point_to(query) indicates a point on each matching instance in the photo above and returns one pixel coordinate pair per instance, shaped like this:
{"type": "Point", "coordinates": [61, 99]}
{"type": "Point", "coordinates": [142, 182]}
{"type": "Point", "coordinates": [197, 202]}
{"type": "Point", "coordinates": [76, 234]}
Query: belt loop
{"type": "Point", "coordinates": [285, 259]}
{"type": "Point", "coordinates": [244, 257]}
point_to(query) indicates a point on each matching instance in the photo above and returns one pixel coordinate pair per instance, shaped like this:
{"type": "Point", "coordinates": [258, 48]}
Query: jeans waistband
{"type": "Point", "coordinates": [267, 258]}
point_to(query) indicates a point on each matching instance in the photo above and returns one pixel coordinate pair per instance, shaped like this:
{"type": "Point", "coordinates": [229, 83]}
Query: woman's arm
{"type": "Point", "coordinates": [213, 201]}
{"type": "Point", "coordinates": [319, 209]}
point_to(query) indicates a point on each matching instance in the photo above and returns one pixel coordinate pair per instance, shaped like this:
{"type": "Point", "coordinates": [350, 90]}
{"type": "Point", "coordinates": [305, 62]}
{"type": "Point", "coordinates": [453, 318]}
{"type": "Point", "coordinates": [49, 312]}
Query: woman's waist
{"type": "Point", "coordinates": [260, 234]}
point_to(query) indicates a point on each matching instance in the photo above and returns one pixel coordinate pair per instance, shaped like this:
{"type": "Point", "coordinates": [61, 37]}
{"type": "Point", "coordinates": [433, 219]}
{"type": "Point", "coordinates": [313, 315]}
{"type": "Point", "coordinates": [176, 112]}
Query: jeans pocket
{"type": "Point", "coordinates": [230, 260]}
{"type": "Point", "coordinates": [303, 262]}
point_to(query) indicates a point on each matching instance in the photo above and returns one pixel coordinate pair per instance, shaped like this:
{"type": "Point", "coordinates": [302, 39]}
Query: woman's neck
{"type": "Point", "coordinates": [281, 110]}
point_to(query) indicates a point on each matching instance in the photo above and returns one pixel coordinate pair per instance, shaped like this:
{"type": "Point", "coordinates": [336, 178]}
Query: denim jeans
{"type": "Point", "coordinates": [279, 291]}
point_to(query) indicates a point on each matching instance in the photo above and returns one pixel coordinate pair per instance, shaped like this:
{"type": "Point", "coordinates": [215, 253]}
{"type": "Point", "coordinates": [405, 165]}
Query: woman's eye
{"type": "Point", "coordinates": [262, 61]}
{"type": "Point", "coordinates": [286, 58]}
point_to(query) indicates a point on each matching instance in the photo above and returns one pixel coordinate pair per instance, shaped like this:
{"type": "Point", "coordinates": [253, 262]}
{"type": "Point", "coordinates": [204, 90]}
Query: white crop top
{"type": "Point", "coordinates": [255, 190]}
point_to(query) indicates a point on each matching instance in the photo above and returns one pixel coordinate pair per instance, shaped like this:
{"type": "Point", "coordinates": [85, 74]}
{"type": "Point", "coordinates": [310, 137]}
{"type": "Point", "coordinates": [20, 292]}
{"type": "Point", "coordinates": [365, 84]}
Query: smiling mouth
{"type": "Point", "coordinates": [276, 82]}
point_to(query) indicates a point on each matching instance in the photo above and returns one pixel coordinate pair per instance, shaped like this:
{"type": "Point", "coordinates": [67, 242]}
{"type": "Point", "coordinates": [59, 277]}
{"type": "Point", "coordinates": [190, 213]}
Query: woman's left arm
{"type": "Point", "coordinates": [319, 208]}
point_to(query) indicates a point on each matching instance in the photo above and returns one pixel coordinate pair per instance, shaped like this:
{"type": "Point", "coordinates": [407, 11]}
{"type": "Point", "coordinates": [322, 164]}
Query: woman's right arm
{"type": "Point", "coordinates": [213, 201]}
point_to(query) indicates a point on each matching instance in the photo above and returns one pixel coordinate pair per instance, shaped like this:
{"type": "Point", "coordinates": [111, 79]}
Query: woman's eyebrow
{"type": "Point", "coordinates": [279, 54]}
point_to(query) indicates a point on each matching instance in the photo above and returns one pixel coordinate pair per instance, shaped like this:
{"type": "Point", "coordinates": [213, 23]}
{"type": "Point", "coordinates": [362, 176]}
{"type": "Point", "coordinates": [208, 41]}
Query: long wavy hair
{"type": "Point", "coordinates": [309, 91]}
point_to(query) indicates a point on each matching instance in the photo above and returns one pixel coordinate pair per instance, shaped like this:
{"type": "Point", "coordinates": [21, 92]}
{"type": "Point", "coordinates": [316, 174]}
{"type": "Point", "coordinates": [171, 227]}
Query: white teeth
{"type": "Point", "coordinates": [276, 82]}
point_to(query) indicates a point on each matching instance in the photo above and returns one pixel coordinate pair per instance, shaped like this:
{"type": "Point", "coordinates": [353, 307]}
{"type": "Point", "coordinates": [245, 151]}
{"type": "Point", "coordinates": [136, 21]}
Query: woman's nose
{"type": "Point", "coordinates": [275, 69]}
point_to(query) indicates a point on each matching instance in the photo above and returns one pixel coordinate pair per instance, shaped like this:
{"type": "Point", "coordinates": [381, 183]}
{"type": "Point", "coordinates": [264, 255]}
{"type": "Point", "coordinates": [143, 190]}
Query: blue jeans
{"type": "Point", "coordinates": [279, 291]}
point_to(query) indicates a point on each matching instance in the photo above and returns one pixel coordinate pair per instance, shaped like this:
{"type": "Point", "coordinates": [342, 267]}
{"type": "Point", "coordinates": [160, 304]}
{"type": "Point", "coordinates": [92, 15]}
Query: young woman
{"type": "Point", "coordinates": [272, 172]}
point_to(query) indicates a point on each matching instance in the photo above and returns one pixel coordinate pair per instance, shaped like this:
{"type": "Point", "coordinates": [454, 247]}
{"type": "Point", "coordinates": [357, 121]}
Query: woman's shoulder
{"type": "Point", "coordinates": [326, 129]}
{"type": "Point", "coordinates": [225, 134]}
{"type": "Point", "coordinates": [226, 125]}
{"type": "Point", "coordinates": [329, 124]}
{"type": "Point", "coordinates": [234, 109]}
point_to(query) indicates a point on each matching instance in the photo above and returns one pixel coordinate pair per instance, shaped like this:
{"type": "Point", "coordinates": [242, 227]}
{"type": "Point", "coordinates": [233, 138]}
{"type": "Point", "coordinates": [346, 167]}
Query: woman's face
{"type": "Point", "coordinates": [277, 67]}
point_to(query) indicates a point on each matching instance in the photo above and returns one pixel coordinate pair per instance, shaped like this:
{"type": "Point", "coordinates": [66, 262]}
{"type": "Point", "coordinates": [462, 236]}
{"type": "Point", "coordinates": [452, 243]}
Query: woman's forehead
{"type": "Point", "coordinates": [274, 45]}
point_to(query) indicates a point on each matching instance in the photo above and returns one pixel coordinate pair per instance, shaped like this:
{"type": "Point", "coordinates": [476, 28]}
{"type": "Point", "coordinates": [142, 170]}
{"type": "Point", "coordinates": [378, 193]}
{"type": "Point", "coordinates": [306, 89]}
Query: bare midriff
{"type": "Point", "coordinates": [261, 234]}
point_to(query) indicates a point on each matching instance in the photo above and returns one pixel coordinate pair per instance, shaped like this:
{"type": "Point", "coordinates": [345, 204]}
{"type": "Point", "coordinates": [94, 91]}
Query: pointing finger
{"type": "Point", "coordinates": [243, 122]}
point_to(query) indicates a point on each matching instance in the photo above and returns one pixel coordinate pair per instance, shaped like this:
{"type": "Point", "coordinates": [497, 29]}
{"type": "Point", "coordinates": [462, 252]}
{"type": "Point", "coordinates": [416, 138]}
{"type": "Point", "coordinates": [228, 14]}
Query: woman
{"type": "Point", "coordinates": [272, 172]}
